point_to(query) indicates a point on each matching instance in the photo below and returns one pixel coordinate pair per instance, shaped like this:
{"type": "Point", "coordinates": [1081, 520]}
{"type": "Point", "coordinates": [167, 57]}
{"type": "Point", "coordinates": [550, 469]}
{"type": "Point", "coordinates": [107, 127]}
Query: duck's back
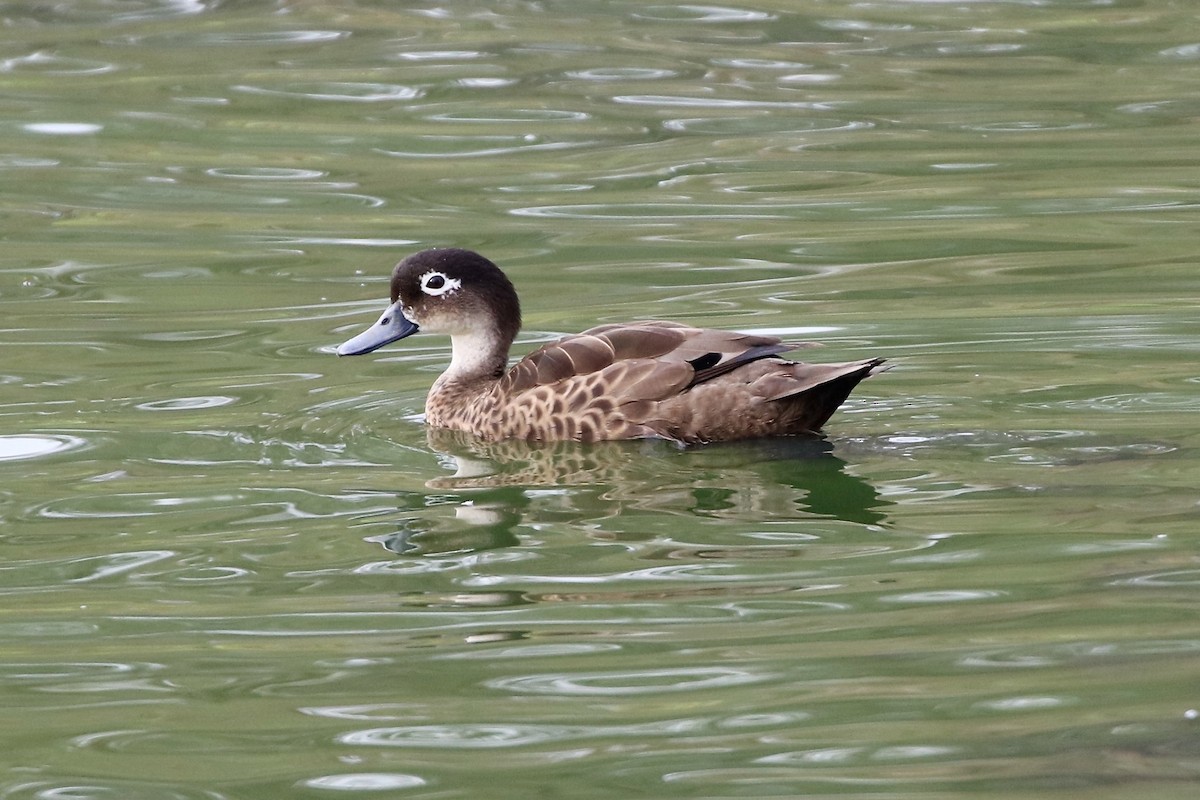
{"type": "Point", "coordinates": [657, 379]}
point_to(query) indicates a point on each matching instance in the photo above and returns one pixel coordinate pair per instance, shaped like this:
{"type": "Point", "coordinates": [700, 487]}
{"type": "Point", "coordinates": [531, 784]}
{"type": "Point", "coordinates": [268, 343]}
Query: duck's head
{"type": "Point", "coordinates": [445, 290]}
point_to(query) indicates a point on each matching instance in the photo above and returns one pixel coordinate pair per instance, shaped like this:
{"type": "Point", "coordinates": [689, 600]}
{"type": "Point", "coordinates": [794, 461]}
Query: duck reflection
{"type": "Point", "coordinates": [497, 486]}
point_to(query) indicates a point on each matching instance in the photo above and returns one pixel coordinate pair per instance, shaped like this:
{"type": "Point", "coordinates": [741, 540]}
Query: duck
{"type": "Point", "coordinates": [630, 380]}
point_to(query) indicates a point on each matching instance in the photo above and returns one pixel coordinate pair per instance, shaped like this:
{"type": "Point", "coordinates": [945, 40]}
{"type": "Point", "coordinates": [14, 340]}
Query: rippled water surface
{"type": "Point", "coordinates": [234, 566]}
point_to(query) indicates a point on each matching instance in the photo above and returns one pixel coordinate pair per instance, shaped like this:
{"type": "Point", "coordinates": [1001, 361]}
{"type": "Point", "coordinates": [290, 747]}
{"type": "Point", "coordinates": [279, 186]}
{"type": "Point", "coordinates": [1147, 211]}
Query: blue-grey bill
{"type": "Point", "coordinates": [390, 327]}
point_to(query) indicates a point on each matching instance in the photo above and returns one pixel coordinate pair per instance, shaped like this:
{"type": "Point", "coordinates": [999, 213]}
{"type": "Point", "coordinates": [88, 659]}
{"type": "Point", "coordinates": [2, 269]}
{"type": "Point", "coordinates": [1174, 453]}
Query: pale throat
{"type": "Point", "coordinates": [474, 354]}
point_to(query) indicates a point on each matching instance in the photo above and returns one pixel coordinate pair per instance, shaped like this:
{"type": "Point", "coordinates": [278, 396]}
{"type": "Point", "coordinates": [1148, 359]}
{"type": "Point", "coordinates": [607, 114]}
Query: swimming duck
{"type": "Point", "coordinates": [619, 381]}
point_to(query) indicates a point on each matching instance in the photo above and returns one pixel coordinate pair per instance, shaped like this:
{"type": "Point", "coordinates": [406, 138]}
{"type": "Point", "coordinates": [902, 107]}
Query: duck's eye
{"type": "Point", "coordinates": [437, 284]}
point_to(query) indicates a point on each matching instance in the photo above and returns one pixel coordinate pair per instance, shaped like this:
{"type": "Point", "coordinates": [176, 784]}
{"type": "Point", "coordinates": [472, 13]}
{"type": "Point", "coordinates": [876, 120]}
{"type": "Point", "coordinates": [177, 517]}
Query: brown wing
{"type": "Point", "coordinates": [610, 381]}
{"type": "Point", "coordinates": [620, 362]}
{"type": "Point", "coordinates": [709, 352]}
{"type": "Point", "coordinates": [677, 352]}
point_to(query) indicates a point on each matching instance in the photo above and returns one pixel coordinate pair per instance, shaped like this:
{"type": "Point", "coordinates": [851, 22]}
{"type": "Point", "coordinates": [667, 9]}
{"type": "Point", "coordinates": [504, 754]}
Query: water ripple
{"type": "Point", "coordinates": [185, 336]}
{"type": "Point", "coordinates": [633, 682]}
{"type": "Point", "coordinates": [173, 195]}
{"type": "Point", "coordinates": [621, 74]}
{"type": "Point", "coordinates": [943, 596]}
{"type": "Point", "coordinates": [1183, 577]}
{"type": "Point", "coordinates": [1079, 652]}
{"type": "Point", "coordinates": [450, 146]}
{"type": "Point", "coordinates": [111, 564]}
{"type": "Point", "coordinates": [1189, 52]}
{"type": "Point", "coordinates": [713, 571]}
{"type": "Point", "coordinates": [1129, 402]}
{"type": "Point", "coordinates": [373, 711]}
{"type": "Point", "coordinates": [466, 736]}
{"type": "Point", "coordinates": [439, 55]}
{"type": "Point", "coordinates": [685, 101]}
{"type": "Point", "coordinates": [514, 115]}
{"type": "Point", "coordinates": [41, 672]}
{"type": "Point", "coordinates": [48, 630]}
{"type": "Point", "coordinates": [77, 788]}
{"type": "Point", "coordinates": [128, 505]}
{"type": "Point", "coordinates": [53, 64]}
{"type": "Point", "coordinates": [701, 13]}
{"type": "Point", "coordinates": [763, 124]}
{"type": "Point", "coordinates": [275, 238]}
{"type": "Point", "coordinates": [17, 446]}
{"type": "Point", "coordinates": [365, 782]}
{"type": "Point", "coordinates": [187, 403]}
{"type": "Point", "coordinates": [1039, 703]}
{"type": "Point", "coordinates": [523, 652]}
{"type": "Point", "coordinates": [242, 38]}
{"type": "Point", "coordinates": [844, 755]}
{"type": "Point", "coordinates": [343, 91]}
{"type": "Point", "coordinates": [673, 211]}
{"type": "Point", "coordinates": [63, 128]}
{"type": "Point", "coordinates": [484, 736]}
{"type": "Point", "coordinates": [269, 173]}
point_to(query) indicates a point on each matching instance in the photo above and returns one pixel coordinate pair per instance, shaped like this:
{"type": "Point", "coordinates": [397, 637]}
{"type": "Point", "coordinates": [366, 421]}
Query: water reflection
{"type": "Point", "coordinates": [14, 447]}
{"type": "Point", "coordinates": [365, 781]}
{"type": "Point", "coordinates": [495, 485]}
{"type": "Point", "coordinates": [994, 192]}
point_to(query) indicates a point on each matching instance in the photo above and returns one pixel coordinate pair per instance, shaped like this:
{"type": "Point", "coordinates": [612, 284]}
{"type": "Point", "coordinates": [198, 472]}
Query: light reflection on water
{"type": "Point", "coordinates": [16, 447]}
{"type": "Point", "coordinates": [236, 566]}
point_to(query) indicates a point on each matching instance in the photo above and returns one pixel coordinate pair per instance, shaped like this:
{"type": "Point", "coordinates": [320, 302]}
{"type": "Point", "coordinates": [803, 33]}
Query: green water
{"type": "Point", "coordinates": [234, 566]}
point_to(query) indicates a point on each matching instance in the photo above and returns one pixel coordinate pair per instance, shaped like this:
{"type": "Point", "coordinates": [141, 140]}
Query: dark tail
{"type": "Point", "coordinates": [814, 406]}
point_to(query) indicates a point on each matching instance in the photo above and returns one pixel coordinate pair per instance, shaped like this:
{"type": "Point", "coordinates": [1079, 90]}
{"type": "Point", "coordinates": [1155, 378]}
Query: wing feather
{"type": "Point", "coordinates": [624, 371]}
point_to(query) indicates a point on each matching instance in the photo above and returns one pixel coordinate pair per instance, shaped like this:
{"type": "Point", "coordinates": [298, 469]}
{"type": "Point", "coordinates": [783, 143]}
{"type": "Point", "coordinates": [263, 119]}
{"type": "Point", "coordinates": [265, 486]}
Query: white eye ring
{"type": "Point", "coordinates": [436, 284]}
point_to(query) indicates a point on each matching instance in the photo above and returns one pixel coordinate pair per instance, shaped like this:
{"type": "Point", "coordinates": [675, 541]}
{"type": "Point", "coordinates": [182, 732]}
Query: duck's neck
{"type": "Point", "coordinates": [464, 396]}
{"type": "Point", "coordinates": [477, 357]}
